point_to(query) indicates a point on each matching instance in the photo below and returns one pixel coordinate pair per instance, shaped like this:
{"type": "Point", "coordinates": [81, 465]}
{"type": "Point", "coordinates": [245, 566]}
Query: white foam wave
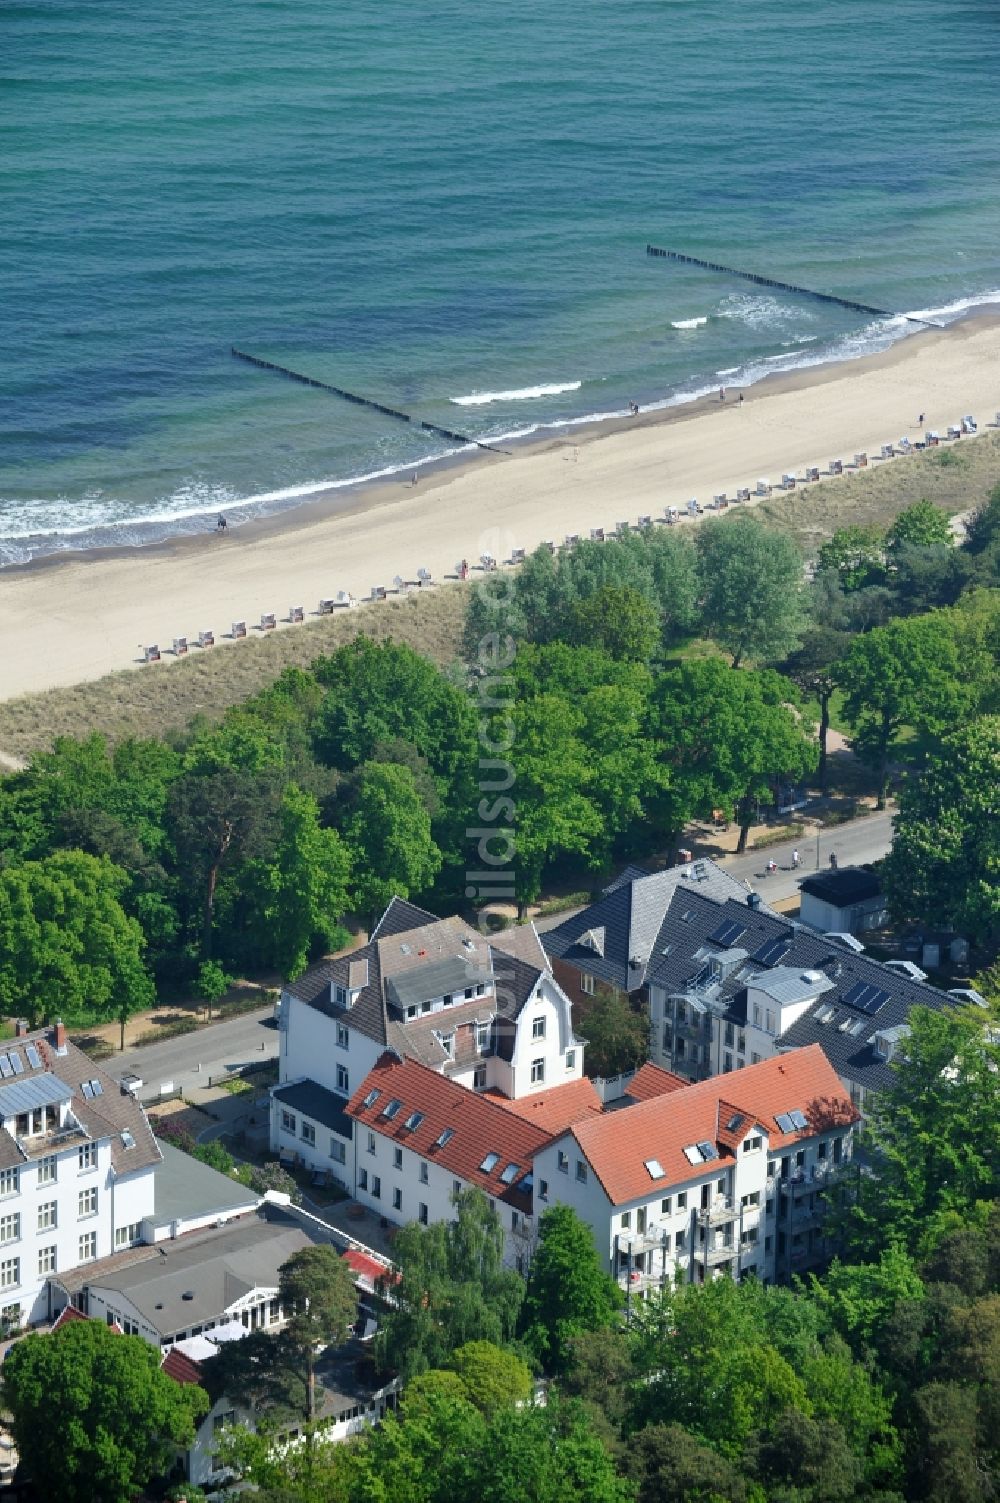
{"type": "Point", "coordinates": [522, 394]}
{"type": "Point", "coordinates": [730, 370]}
{"type": "Point", "coordinates": [955, 309]}
{"type": "Point", "coordinates": [687, 323]}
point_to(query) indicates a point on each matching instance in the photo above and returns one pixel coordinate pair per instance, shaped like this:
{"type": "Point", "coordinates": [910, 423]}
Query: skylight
{"type": "Point", "coordinates": [707, 1150]}
{"type": "Point", "coordinates": [413, 1121]}
{"type": "Point", "coordinates": [510, 1173]}
{"type": "Point", "coordinates": [33, 1059]}
{"type": "Point", "coordinates": [799, 1119]}
{"type": "Point", "coordinates": [735, 1122]}
{"type": "Point", "coordinates": [17, 1062]}
{"type": "Point", "coordinates": [826, 1014]}
{"type": "Point", "coordinates": [489, 1163]}
{"type": "Point", "coordinates": [693, 1155]}
{"type": "Point", "coordinates": [444, 1137]}
{"type": "Point", "coordinates": [391, 1108]}
{"type": "Point", "coordinates": [371, 1098]}
{"type": "Point", "coordinates": [784, 1121]}
{"type": "Point", "coordinates": [6, 1068]}
{"type": "Point", "coordinates": [87, 1088]}
{"type": "Point", "coordinates": [655, 1169]}
{"type": "Point", "coordinates": [127, 1139]}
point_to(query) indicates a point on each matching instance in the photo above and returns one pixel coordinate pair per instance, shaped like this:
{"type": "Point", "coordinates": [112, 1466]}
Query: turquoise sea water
{"type": "Point", "coordinates": [434, 201]}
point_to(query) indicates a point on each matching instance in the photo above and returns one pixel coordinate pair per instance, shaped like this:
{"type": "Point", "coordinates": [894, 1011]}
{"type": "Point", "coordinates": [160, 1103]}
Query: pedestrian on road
{"type": "Point", "coordinates": [795, 860]}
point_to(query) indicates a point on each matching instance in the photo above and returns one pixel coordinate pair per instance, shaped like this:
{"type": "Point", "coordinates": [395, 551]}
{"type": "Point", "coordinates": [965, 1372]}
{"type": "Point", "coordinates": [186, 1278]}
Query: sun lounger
{"type": "Point", "coordinates": [180, 647]}
{"type": "Point", "coordinates": [836, 466]}
{"type": "Point", "coordinates": [517, 555]}
{"type": "Point", "coordinates": [296, 613]}
{"type": "Point", "coordinates": [151, 654]}
{"type": "Point", "coordinates": [763, 488]}
{"type": "Point", "coordinates": [571, 539]}
{"type": "Point", "coordinates": [239, 630]}
{"type": "Point", "coordinates": [206, 639]}
{"type": "Point", "coordinates": [861, 461]}
{"type": "Point", "coordinates": [268, 621]}
{"type": "Point", "coordinates": [788, 481]}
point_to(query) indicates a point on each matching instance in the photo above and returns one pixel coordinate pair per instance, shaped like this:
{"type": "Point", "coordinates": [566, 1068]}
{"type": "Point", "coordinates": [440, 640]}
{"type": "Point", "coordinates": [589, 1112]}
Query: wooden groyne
{"type": "Point", "coordinates": [359, 401]}
{"type": "Point", "coordinates": [752, 276]}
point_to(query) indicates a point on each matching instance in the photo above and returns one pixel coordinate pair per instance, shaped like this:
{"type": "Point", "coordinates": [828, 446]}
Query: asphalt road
{"type": "Point", "coordinates": [213, 1051]}
{"type": "Point", "coordinates": [853, 844]}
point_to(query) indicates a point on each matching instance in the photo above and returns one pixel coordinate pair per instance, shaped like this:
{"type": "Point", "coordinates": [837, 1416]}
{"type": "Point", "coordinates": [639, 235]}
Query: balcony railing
{"type": "Point", "coordinates": [714, 1254]}
{"type": "Point", "coordinates": [717, 1214]}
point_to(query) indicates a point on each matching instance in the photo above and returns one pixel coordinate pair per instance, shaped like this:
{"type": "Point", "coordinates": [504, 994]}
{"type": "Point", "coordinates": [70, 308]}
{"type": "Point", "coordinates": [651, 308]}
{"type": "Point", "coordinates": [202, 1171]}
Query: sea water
{"type": "Point", "coordinates": [444, 205]}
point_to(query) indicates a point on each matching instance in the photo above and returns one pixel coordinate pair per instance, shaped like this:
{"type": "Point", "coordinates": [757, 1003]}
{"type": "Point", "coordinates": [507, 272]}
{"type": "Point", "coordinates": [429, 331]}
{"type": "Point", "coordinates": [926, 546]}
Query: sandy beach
{"type": "Point", "coordinates": [78, 617]}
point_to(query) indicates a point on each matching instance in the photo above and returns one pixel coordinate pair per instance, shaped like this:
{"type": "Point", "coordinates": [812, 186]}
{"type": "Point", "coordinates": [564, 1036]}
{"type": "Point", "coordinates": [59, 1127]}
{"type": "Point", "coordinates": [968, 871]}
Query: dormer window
{"type": "Point", "coordinates": [340, 995]}
{"type": "Point", "coordinates": [448, 1044]}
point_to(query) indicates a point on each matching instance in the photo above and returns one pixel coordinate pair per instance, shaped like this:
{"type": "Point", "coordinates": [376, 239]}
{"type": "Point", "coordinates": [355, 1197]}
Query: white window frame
{"type": "Point", "coordinates": [48, 1216]}
{"type": "Point", "coordinates": [87, 1203]}
{"type": "Point", "coordinates": [587, 983]}
{"type": "Point", "coordinates": [87, 1247]}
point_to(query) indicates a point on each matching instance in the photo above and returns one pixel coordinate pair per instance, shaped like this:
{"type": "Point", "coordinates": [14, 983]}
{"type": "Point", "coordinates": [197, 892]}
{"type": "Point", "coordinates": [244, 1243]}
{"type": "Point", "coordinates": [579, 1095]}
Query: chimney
{"type": "Point", "coordinates": [59, 1036]}
{"type": "Point", "coordinates": [21, 1028]}
{"type": "Point", "coordinates": [753, 900]}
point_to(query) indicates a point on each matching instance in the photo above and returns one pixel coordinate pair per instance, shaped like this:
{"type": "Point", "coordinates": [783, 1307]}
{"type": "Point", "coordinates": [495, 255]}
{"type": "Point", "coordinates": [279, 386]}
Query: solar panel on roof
{"type": "Point", "coordinates": [799, 1119]}
{"type": "Point", "coordinates": [33, 1059]}
{"type": "Point", "coordinates": [866, 997]}
{"type": "Point", "coordinates": [6, 1068]}
{"type": "Point", "coordinates": [772, 950]}
{"type": "Point", "coordinates": [17, 1062]}
{"type": "Point", "coordinates": [727, 933]}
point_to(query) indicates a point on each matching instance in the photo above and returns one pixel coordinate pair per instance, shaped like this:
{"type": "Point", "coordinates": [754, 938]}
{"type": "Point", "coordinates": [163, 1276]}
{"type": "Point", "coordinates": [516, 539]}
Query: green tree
{"type": "Point", "coordinates": [812, 669]}
{"type": "Point", "coordinates": [306, 884]}
{"type": "Point", "coordinates": [66, 944]}
{"type": "Point", "coordinates": [672, 1466]}
{"type": "Point", "coordinates": [907, 673]}
{"type": "Point", "coordinates": [265, 1370]}
{"type": "Point", "coordinates": [855, 555]}
{"type": "Point", "coordinates": [944, 866]}
{"type": "Point", "coordinates": [212, 983]}
{"type": "Point", "coordinates": [569, 1292]}
{"type": "Point", "coordinates": [923, 524]}
{"type": "Point", "coordinates": [617, 1035]}
{"type": "Point", "coordinates": [451, 1288]}
{"type": "Point", "coordinates": [392, 851]}
{"type": "Point", "coordinates": [317, 1294]}
{"type": "Point", "coordinates": [617, 619]}
{"type": "Point", "coordinates": [92, 1414]}
{"type": "Point", "coordinates": [945, 1466]}
{"type": "Point", "coordinates": [727, 738]}
{"type": "Point", "coordinates": [751, 589]}
{"type": "Point", "coordinates": [801, 1458]}
{"type": "Point", "coordinates": [492, 1377]}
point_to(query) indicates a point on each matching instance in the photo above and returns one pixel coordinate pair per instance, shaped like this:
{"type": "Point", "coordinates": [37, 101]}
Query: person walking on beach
{"type": "Point", "coordinates": [413, 478]}
{"type": "Point", "coordinates": [741, 399]}
{"type": "Point", "coordinates": [722, 393]}
{"type": "Point", "coordinates": [220, 525]}
{"type": "Point", "coordinates": [920, 420]}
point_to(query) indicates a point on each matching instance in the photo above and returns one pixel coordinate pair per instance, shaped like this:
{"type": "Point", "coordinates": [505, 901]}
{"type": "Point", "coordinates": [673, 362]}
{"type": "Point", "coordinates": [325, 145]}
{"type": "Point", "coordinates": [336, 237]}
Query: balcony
{"type": "Point", "coordinates": [804, 1181]}
{"type": "Point", "coordinates": [719, 1213]}
{"type": "Point", "coordinates": [691, 1028]}
{"type": "Point", "coordinates": [713, 1254]}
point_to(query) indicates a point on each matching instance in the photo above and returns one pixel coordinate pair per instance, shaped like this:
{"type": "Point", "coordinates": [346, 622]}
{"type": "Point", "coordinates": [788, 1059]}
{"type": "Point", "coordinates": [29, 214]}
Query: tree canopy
{"type": "Point", "coordinates": [568, 1290]}
{"type": "Point", "coordinates": [751, 588]}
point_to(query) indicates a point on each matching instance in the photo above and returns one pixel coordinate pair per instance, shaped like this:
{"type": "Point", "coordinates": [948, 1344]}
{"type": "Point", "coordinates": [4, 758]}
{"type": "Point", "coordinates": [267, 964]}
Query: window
{"type": "Point", "coordinates": [9, 1181]}
{"type": "Point", "coordinates": [587, 983]}
{"type": "Point", "coordinates": [769, 1019]}
{"type": "Point", "coordinates": [47, 1170]}
{"type": "Point", "coordinates": [562, 1162]}
{"type": "Point", "coordinates": [682, 1201]}
{"type": "Point", "coordinates": [727, 1063]}
{"type": "Point", "coordinates": [571, 1059]}
{"type": "Point", "coordinates": [748, 1237]}
{"type": "Point", "coordinates": [422, 1214]}
{"type": "Point", "coordinates": [626, 1220]}
{"type": "Point", "coordinates": [581, 1171]}
{"type": "Point", "coordinates": [87, 1156]}
{"type": "Point", "coordinates": [640, 1220]}
{"type": "Point", "coordinates": [729, 1036]}
{"type": "Point", "coordinates": [88, 1247]}
{"type": "Point", "coordinates": [10, 1228]}
{"type": "Point", "coordinates": [753, 1199]}
{"type": "Point", "coordinates": [47, 1216]}
{"type": "Point", "coordinates": [371, 1142]}
{"type": "Point", "coordinates": [340, 995]}
{"type": "Point", "coordinates": [821, 1150]}
{"type": "Point", "coordinates": [483, 1031]}
{"type": "Point", "coordinates": [538, 1028]}
{"type": "Point", "coordinates": [537, 1071]}
{"type": "Point", "coordinates": [397, 1158]}
{"type": "Point", "coordinates": [754, 1144]}
{"type": "Point", "coordinates": [448, 1044]}
{"type": "Point", "coordinates": [768, 1244]}
{"type": "Point", "coordinates": [309, 1133]}
{"type": "Point", "coordinates": [46, 1260]}
{"type": "Point", "coordinates": [741, 1042]}
{"type": "Point", "coordinates": [10, 1317]}
{"type": "Point", "coordinates": [10, 1273]}
{"type": "Point", "coordinates": [362, 1179]}
{"type": "Point", "coordinates": [338, 1151]}
{"type": "Point", "coordinates": [456, 1187]}
{"type": "Point", "coordinates": [755, 1058]}
{"type": "Point", "coordinates": [343, 1080]}
{"type": "Point", "coordinates": [87, 1202]}
{"type": "Point", "coordinates": [514, 1221]}
{"type": "Point", "coordinates": [288, 1122]}
{"type": "Point", "coordinates": [343, 1036]}
{"type": "Point", "coordinates": [543, 1189]}
{"type": "Point", "coordinates": [838, 1150]}
{"type": "Point", "coordinates": [376, 1187]}
{"type": "Point", "coordinates": [397, 1199]}
{"type": "Point", "coordinates": [479, 1078]}
{"type": "Point", "coordinates": [800, 1159]}
{"type": "Point", "coordinates": [666, 1206]}
{"type": "Point", "coordinates": [682, 1012]}
{"type": "Point", "coordinates": [125, 1236]}
{"type": "Point", "coordinates": [681, 1240]}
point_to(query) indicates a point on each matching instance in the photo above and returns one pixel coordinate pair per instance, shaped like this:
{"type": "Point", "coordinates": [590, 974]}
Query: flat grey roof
{"type": "Point", "coordinates": [791, 983]}
{"type": "Point", "coordinates": [319, 1104]}
{"type": "Point", "coordinates": [185, 1190]}
{"type": "Point", "coordinates": [437, 978]}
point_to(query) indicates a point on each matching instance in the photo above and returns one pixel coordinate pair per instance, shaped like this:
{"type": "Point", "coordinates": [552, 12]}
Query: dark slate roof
{"type": "Point", "coordinates": [691, 920]}
{"type": "Point", "coordinates": [316, 1102]}
{"type": "Point", "coordinates": [851, 884]}
{"type": "Point", "coordinates": [401, 916]}
{"type": "Point", "coordinates": [632, 913]}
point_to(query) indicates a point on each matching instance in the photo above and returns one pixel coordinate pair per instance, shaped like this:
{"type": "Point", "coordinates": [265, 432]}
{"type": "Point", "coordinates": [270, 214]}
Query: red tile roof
{"type": "Point", "coordinates": [650, 1081]}
{"type": "Point", "coordinates": [555, 1109]}
{"type": "Point", "coordinates": [618, 1144]}
{"type": "Point", "coordinates": [181, 1368]}
{"type": "Point", "coordinates": [66, 1315]}
{"type": "Point", "coordinates": [364, 1266]}
{"type": "Point", "coordinates": [478, 1126]}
